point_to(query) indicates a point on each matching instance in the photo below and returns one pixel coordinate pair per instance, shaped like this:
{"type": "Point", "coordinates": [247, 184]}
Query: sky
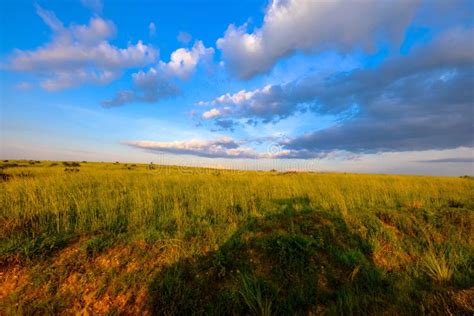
{"type": "Point", "coordinates": [363, 86]}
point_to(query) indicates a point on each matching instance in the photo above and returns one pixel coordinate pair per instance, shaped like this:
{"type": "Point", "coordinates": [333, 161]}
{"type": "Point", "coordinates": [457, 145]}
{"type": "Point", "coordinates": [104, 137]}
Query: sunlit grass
{"type": "Point", "coordinates": [437, 266]}
{"type": "Point", "coordinates": [227, 241]}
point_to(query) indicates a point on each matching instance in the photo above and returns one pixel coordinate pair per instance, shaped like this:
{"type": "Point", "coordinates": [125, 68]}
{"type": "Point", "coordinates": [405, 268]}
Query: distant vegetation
{"type": "Point", "coordinates": [71, 164]}
{"type": "Point", "coordinates": [129, 238]}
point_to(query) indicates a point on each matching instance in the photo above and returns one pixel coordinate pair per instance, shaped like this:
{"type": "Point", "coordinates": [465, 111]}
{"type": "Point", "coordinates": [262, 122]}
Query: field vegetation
{"type": "Point", "coordinates": [116, 238]}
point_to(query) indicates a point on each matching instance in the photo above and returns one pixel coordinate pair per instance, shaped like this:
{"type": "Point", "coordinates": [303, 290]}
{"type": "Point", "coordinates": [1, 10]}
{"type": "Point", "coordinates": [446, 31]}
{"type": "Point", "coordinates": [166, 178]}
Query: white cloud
{"type": "Point", "coordinates": [96, 32]}
{"type": "Point", "coordinates": [159, 81]}
{"type": "Point", "coordinates": [235, 99]}
{"type": "Point", "coordinates": [338, 92]}
{"type": "Point", "coordinates": [223, 147]}
{"type": "Point", "coordinates": [211, 114]}
{"type": "Point", "coordinates": [312, 26]}
{"type": "Point", "coordinates": [183, 61]}
{"type": "Point", "coordinates": [150, 86]}
{"type": "Point", "coordinates": [419, 101]}
{"type": "Point", "coordinates": [79, 54]}
{"type": "Point", "coordinates": [269, 104]}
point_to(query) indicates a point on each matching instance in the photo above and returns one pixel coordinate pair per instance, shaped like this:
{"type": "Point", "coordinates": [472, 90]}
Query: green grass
{"type": "Point", "coordinates": [115, 238]}
{"type": "Point", "coordinates": [437, 267]}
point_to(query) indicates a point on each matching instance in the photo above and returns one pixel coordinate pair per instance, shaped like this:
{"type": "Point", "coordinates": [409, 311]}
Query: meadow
{"type": "Point", "coordinates": [116, 238]}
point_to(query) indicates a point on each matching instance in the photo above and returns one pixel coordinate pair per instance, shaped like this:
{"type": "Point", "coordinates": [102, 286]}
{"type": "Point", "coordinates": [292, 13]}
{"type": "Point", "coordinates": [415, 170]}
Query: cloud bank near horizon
{"type": "Point", "coordinates": [223, 147]}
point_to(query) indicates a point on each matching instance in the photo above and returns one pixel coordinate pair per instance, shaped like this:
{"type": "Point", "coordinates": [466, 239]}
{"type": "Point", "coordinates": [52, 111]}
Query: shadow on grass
{"type": "Point", "coordinates": [295, 262]}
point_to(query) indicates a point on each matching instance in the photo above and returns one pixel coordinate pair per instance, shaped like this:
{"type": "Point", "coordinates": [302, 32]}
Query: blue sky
{"type": "Point", "coordinates": [357, 86]}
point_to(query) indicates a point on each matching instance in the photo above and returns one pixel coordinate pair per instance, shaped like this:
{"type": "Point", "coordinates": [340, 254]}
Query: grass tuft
{"type": "Point", "coordinates": [253, 292]}
{"type": "Point", "coordinates": [437, 266]}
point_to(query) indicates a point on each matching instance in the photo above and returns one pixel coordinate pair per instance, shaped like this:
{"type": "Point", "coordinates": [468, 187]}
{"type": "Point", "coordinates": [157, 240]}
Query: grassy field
{"type": "Point", "coordinates": [105, 238]}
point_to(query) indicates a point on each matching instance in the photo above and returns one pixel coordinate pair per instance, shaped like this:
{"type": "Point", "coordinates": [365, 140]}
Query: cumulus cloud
{"type": "Point", "coordinates": [211, 113]}
{"type": "Point", "coordinates": [416, 102]}
{"type": "Point", "coordinates": [150, 86]}
{"type": "Point", "coordinates": [313, 26]}
{"type": "Point", "coordinates": [268, 104]}
{"type": "Point", "coordinates": [223, 147]}
{"type": "Point", "coordinates": [79, 54]}
{"type": "Point", "coordinates": [225, 124]}
{"type": "Point", "coordinates": [121, 97]}
{"type": "Point", "coordinates": [183, 61]}
{"type": "Point", "coordinates": [159, 82]}
{"type": "Point", "coordinates": [420, 102]}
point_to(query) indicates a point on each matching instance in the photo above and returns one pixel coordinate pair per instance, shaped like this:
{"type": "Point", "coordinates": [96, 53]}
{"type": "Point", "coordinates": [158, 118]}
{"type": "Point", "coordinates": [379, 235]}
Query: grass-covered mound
{"type": "Point", "coordinates": [311, 262]}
